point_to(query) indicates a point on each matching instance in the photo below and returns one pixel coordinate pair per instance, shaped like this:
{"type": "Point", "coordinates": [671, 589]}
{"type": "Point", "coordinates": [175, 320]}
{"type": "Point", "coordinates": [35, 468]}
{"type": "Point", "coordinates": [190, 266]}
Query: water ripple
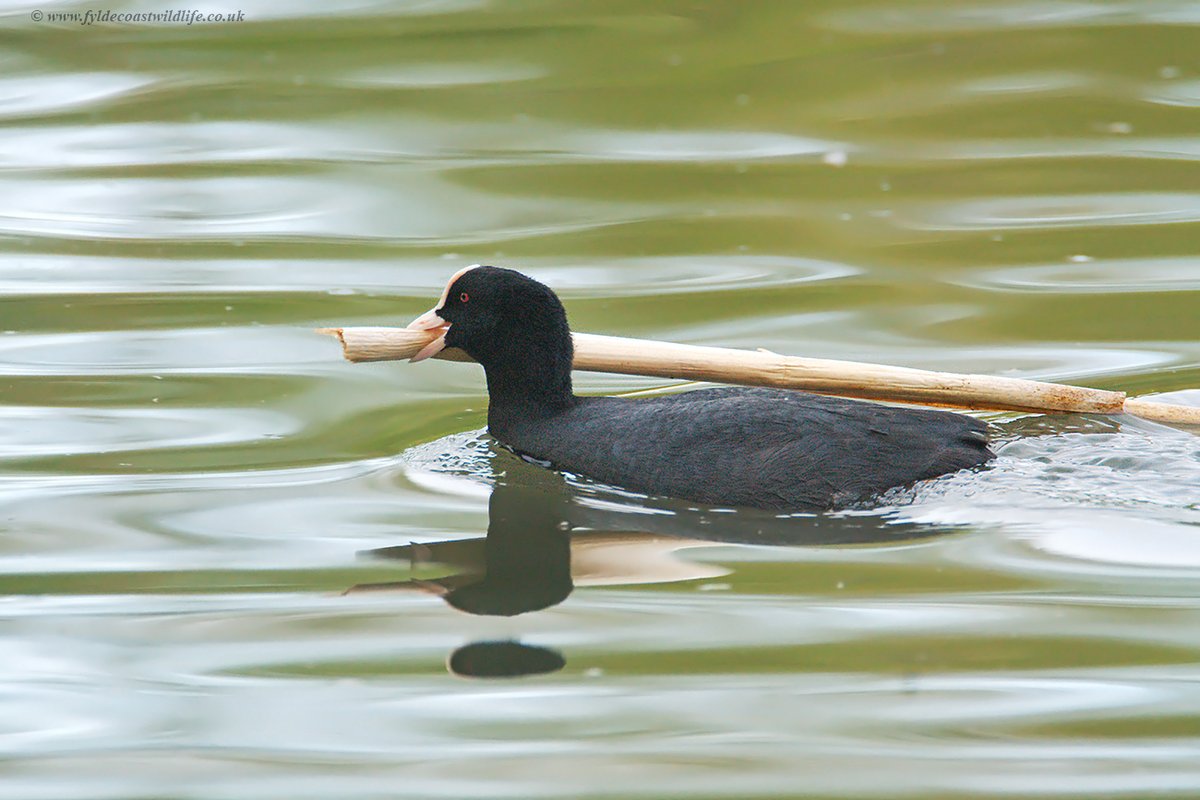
{"type": "Point", "coordinates": [433, 76]}
{"type": "Point", "coordinates": [132, 352]}
{"type": "Point", "coordinates": [29, 95]}
{"type": "Point", "coordinates": [1013, 15]}
{"type": "Point", "coordinates": [28, 432]}
{"type": "Point", "coordinates": [1041, 213]}
{"type": "Point", "coordinates": [1082, 274]}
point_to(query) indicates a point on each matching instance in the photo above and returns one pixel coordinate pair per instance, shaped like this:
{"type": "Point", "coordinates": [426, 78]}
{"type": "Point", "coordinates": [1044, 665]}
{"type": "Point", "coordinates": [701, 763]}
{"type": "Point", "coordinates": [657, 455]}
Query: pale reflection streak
{"type": "Point", "coordinates": [62, 430]}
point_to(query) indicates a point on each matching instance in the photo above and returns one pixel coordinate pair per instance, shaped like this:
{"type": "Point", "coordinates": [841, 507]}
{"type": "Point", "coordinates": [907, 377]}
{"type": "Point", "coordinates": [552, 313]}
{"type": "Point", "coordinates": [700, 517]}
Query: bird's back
{"type": "Point", "coordinates": [765, 448]}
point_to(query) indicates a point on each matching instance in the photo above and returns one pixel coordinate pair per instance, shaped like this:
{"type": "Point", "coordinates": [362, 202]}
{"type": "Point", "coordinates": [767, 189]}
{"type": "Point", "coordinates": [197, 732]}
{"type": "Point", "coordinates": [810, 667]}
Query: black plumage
{"type": "Point", "coordinates": [765, 448]}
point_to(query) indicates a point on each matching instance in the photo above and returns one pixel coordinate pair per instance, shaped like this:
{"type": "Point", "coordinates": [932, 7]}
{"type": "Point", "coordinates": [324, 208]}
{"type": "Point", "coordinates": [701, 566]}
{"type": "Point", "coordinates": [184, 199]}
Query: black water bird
{"type": "Point", "coordinates": [762, 448]}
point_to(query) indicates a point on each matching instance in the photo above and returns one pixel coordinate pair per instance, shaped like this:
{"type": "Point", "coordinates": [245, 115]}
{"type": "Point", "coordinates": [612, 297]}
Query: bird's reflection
{"type": "Point", "coordinates": [504, 659]}
{"type": "Point", "coordinates": [526, 560]}
{"type": "Point", "coordinates": [547, 534]}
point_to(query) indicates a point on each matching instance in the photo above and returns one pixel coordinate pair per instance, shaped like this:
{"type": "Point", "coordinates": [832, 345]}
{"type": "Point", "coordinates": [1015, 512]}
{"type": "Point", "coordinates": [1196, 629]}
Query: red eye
{"type": "Point", "coordinates": [466, 298]}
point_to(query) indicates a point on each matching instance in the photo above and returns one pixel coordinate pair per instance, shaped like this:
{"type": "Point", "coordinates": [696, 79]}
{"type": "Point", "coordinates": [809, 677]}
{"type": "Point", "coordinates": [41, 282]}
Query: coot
{"type": "Point", "coordinates": [764, 448]}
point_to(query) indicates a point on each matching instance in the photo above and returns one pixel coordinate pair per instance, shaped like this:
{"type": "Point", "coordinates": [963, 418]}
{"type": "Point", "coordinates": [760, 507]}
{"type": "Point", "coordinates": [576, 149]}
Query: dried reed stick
{"type": "Point", "coordinates": [760, 368]}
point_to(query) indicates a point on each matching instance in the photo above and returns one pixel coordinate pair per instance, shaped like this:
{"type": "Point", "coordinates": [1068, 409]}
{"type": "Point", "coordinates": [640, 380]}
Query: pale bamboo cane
{"type": "Point", "coordinates": [760, 368]}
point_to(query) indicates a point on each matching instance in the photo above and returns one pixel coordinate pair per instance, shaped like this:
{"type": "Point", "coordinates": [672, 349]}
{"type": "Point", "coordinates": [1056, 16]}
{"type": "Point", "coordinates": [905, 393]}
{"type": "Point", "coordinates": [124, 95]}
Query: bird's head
{"type": "Point", "coordinates": [511, 324]}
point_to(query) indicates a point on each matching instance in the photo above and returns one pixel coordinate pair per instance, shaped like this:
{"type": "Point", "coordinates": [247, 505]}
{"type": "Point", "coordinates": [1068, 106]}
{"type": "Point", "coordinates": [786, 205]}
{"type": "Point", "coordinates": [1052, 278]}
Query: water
{"type": "Point", "coordinates": [193, 480]}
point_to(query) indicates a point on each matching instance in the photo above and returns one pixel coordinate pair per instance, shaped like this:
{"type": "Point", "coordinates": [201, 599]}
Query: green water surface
{"type": "Point", "coordinates": [189, 475]}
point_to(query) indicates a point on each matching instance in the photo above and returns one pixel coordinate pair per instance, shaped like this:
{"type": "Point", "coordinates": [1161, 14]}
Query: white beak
{"type": "Point", "coordinates": [430, 321]}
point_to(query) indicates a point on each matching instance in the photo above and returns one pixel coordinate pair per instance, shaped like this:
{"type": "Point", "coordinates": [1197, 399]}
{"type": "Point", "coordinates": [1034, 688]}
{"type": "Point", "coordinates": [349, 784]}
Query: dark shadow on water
{"type": "Point", "coordinates": [504, 659]}
{"type": "Point", "coordinates": [548, 533]}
